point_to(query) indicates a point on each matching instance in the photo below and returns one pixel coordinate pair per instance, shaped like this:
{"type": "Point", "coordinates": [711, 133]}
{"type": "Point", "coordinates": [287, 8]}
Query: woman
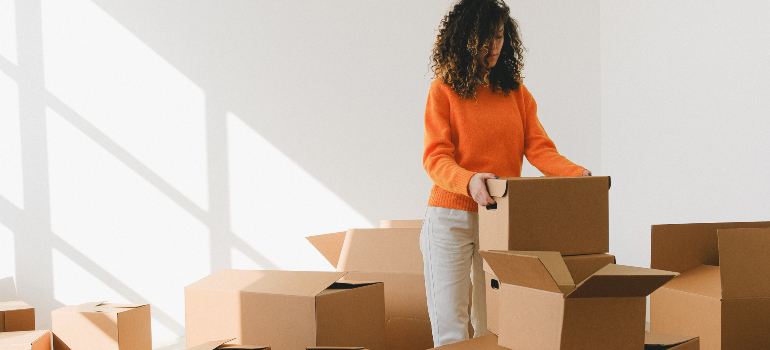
{"type": "Point", "coordinates": [480, 121]}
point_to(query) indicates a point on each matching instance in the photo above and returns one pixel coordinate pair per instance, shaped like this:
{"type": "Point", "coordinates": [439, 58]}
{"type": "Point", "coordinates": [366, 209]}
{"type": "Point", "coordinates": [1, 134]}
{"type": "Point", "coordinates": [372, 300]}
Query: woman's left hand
{"type": "Point", "coordinates": [587, 172]}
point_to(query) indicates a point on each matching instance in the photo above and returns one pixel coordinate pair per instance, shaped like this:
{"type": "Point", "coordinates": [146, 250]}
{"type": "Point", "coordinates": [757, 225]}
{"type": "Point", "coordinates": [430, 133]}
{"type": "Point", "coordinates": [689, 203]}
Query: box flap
{"type": "Point", "coordinates": [382, 250]}
{"type": "Point", "coordinates": [299, 283]}
{"type": "Point", "coordinates": [400, 223]}
{"type": "Point", "coordinates": [499, 187]}
{"type": "Point", "coordinates": [681, 247]}
{"type": "Point", "coordinates": [329, 245]}
{"type": "Point", "coordinates": [703, 280]}
{"type": "Point", "coordinates": [221, 344]}
{"type": "Point", "coordinates": [14, 305]}
{"type": "Point", "coordinates": [21, 337]}
{"type": "Point", "coordinates": [745, 263]}
{"type": "Point", "coordinates": [661, 339]}
{"type": "Point", "coordinates": [622, 281]}
{"type": "Point", "coordinates": [538, 270]}
{"type": "Point", "coordinates": [100, 306]}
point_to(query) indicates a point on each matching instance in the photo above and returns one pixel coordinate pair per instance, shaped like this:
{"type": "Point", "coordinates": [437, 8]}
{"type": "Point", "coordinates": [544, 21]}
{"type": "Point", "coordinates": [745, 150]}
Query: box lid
{"type": "Point", "coordinates": [499, 187]}
{"type": "Point", "coordinates": [382, 250]}
{"type": "Point", "coordinates": [538, 270]}
{"type": "Point", "coordinates": [99, 306]}
{"type": "Point", "coordinates": [14, 305]}
{"type": "Point", "coordinates": [21, 338]}
{"type": "Point", "coordinates": [621, 281]}
{"type": "Point", "coordinates": [221, 344]}
{"type": "Point", "coordinates": [745, 262]}
{"type": "Point", "coordinates": [299, 283]}
{"type": "Point", "coordinates": [329, 245]}
{"type": "Point", "coordinates": [662, 339]}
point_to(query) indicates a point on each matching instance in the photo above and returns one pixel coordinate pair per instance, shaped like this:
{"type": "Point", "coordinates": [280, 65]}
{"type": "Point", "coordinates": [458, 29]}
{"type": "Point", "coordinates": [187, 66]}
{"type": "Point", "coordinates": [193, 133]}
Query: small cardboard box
{"type": "Point", "coordinates": [723, 293]}
{"type": "Point", "coordinates": [569, 215]}
{"type": "Point", "coordinates": [288, 310]}
{"type": "Point", "coordinates": [400, 223]}
{"type": "Point", "coordinates": [542, 308]}
{"type": "Point", "coordinates": [102, 326]}
{"type": "Point", "coordinates": [222, 344]}
{"type": "Point", "coordinates": [26, 340]}
{"type": "Point", "coordinates": [580, 267]}
{"type": "Point", "coordinates": [487, 342]}
{"type": "Point", "coordinates": [16, 316]}
{"type": "Point", "coordinates": [660, 341]}
{"type": "Point", "coordinates": [392, 256]}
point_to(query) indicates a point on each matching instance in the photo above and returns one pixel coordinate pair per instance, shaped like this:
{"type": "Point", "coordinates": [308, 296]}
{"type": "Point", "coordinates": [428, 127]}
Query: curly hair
{"type": "Point", "coordinates": [463, 33]}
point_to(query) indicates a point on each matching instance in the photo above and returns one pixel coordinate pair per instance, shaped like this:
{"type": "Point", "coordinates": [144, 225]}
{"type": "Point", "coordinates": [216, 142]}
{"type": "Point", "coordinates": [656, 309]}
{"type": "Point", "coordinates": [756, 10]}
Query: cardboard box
{"type": "Point", "coordinates": [222, 344]}
{"type": "Point", "coordinates": [288, 310]}
{"type": "Point", "coordinates": [405, 333]}
{"type": "Point", "coordinates": [723, 293]}
{"type": "Point", "coordinates": [16, 316]}
{"type": "Point", "coordinates": [336, 348]}
{"type": "Point", "coordinates": [392, 256]}
{"type": "Point", "coordinates": [400, 223]}
{"type": "Point", "coordinates": [569, 215]}
{"type": "Point", "coordinates": [25, 340]}
{"type": "Point", "coordinates": [102, 326]}
{"type": "Point", "coordinates": [580, 267]}
{"type": "Point", "coordinates": [487, 342]}
{"type": "Point", "coordinates": [542, 308]}
{"type": "Point", "coordinates": [660, 341]}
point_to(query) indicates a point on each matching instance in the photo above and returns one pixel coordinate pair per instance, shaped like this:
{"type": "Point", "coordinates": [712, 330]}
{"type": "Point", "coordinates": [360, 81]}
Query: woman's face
{"type": "Point", "coordinates": [497, 45]}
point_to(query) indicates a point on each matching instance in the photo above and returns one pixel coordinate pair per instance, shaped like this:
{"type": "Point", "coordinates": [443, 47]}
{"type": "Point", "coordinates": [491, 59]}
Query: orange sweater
{"type": "Point", "coordinates": [489, 134]}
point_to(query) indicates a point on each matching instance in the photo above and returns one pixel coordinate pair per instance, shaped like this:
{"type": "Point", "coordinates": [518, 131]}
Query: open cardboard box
{"type": "Point", "coordinates": [541, 307]}
{"type": "Point", "coordinates": [16, 316]}
{"type": "Point", "coordinates": [580, 267]}
{"type": "Point", "coordinates": [288, 310]}
{"type": "Point", "coordinates": [569, 215]}
{"type": "Point", "coordinates": [723, 293]}
{"type": "Point", "coordinates": [392, 256]}
{"type": "Point", "coordinates": [222, 344]}
{"type": "Point", "coordinates": [660, 341]}
{"type": "Point", "coordinates": [102, 326]}
{"type": "Point", "coordinates": [25, 340]}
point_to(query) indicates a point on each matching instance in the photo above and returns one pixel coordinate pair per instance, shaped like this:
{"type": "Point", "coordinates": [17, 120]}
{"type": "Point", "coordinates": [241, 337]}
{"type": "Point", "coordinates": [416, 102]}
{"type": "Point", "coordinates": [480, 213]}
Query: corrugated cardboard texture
{"type": "Point", "coordinates": [404, 292]}
{"type": "Point", "coordinates": [352, 317]}
{"type": "Point", "coordinates": [282, 321]}
{"type": "Point", "coordinates": [534, 324]}
{"type": "Point", "coordinates": [403, 333]}
{"type": "Point", "coordinates": [400, 223]}
{"type": "Point", "coordinates": [329, 245]}
{"type": "Point", "coordinates": [703, 280]}
{"type": "Point", "coordinates": [565, 214]}
{"type": "Point", "coordinates": [25, 340]}
{"type": "Point", "coordinates": [538, 270]}
{"type": "Point", "coordinates": [487, 342]}
{"type": "Point", "coordinates": [621, 281]}
{"type": "Point", "coordinates": [745, 324]}
{"type": "Point", "coordinates": [493, 302]}
{"type": "Point", "coordinates": [583, 266]}
{"type": "Point", "coordinates": [745, 263]}
{"type": "Point", "coordinates": [660, 341]}
{"type": "Point", "coordinates": [685, 246]}
{"type": "Point", "coordinates": [98, 325]}
{"type": "Point", "coordinates": [382, 250]}
{"type": "Point", "coordinates": [134, 331]}
{"type": "Point", "coordinates": [677, 312]}
{"type": "Point", "coordinates": [604, 323]}
{"type": "Point", "coordinates": [16, 316]}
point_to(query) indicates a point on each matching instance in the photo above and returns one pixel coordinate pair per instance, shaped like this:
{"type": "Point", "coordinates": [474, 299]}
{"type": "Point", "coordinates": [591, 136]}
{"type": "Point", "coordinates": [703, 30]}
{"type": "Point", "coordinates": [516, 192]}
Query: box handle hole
{"type": "Point", "coordinates": [495, 284]}
{"type": "Point", "coordinates": [492, 206]}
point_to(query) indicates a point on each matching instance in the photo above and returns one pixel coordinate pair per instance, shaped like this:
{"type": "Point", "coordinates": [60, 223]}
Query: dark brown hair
{"type": "Point", "coordinates": [464, 31]}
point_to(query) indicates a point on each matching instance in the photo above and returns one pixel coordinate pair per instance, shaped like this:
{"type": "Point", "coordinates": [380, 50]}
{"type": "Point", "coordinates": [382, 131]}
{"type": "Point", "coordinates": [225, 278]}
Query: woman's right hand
{"type": "Point", "coordinates": [477, 188]}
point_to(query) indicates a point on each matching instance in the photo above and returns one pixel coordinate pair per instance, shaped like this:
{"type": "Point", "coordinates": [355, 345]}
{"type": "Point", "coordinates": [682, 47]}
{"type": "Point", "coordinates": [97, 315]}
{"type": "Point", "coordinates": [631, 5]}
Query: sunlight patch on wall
{"type": "Point", "coordinates": [275, 204]}
{"type": "Point", "coordinates": [11, 182]}
{"type": "Point", "coordinates": [7, 253]}
{"type": "Point", "coordinates": [120, 222]}
{"type": "Point", "coordinates": [128, 92]}
{"type": "Point", "coordinates": [8, 30]}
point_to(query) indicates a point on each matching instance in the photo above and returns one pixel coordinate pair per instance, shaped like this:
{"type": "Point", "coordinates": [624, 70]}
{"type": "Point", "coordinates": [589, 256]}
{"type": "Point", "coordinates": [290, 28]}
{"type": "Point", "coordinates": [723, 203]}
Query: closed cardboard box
{"type": "Point", "coordinates": [26, 340]}
{"type": "Point", "coordinates": [569, 215]}
{"type": "Point", "coordinates": [661, 341]}
{"type": "Point", "coordinates": [723, 293]}
{"type": "Point", "coordinates": [580, 267]}
{"type": "Point", "coordinates": [102, 326]}
{"type": "Point", "coordinates": [16, 316]}
{"type": "Point", "coordinates": [222, 344]}
{"type": "Point", "coordinates": [542, 308]}
{"type": "Point", "coordinates": [286, 310]}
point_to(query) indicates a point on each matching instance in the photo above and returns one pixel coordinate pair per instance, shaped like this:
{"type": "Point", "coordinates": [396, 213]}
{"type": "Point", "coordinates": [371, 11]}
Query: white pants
{"type": "Point", "coordinates": [449, 242]}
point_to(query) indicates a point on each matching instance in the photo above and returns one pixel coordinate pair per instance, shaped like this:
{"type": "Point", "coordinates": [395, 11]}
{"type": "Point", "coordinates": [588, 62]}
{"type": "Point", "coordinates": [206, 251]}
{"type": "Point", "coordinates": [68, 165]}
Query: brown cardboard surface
{"type": "Point", "coordinates": [677, 312]}
{"type": "Point", "coordinates": [400, 223]}
{"type": "Point", "coordinates": [346, 319]}
{"type": "Point", "coordinates": [583, 266]}
{"type": "Point", "coordinates": [534, 324]}
{"type": "Point", "coordinates": [604, 323]}
{"type": "Point", "coordinates": [134, 328]}
{"type": "Point", "coordinates": [487, 342]}
{"type": "Point", "coordinates": [299, 283]}
{"type": "Point", "coordinates": [621, 281]}
{"type": "Point", "coordinates": [661, 341]}
{"type": "Point", "coordinates": [703, 280]}
{"type": "Point", "coordinates": [222, 344]}
{"type": "Point", "coordinates": [745, 263]}
{"type": "Point", "coordinates": [493, 302]}
{"type": "Point", "coordinates": [382, 250]}
{"type": "Point", "coordinates": [403, 333]}
{"type": "Point", "coordinates": [98, 325]}
{"type": "Point", "coordinates": [404, 292]}
{"type": "Point", "coordinates": [25, 340]}
{"type": "Point", "coordinates": [329, 245]}
{"type": "Point", "coordinates": [16, 316]}
{"type": "Point", "coordinates": [745, 324]}
{"type": "Point", "coordinates": [681, 247]}
{"type": "Point", "coordinates": [335, 348]}
{"type": "Point", "coordinates": [538, 270]}
{"type": "Point", "coordinates": [565, 214]}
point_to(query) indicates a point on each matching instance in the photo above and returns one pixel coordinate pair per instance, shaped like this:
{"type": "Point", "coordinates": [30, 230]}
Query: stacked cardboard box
{"type": "Point", "coordinates": [16, 316]}
{"type": "Point", "coordinates": [25, 340]}
{"type": "Point", "coordinates": [723, 293]}
{"type": "Point", "coordinates": [102, 326]}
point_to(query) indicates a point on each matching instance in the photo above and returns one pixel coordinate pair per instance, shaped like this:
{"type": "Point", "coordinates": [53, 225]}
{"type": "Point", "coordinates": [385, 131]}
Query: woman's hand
{"type": "Point", "coordinates": [587, 172]}
{"type": "Point", "coordinates": [477, 188]}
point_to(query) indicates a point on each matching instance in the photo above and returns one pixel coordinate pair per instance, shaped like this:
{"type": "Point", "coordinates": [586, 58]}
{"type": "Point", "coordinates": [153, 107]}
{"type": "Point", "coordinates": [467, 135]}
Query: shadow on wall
{"type": "Point", "coordinates": [7, 289]}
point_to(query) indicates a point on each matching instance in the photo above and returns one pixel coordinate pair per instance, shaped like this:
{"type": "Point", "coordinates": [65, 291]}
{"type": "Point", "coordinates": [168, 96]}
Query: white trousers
{"type": "Point", "coordinates": [449, 242]}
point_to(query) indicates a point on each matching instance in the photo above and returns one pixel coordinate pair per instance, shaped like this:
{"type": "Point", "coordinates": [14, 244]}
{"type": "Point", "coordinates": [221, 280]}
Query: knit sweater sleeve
{"type": "Point", "coordinates": [438, 156]}
{"type": "Point", "coordinates": [540, 149]}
